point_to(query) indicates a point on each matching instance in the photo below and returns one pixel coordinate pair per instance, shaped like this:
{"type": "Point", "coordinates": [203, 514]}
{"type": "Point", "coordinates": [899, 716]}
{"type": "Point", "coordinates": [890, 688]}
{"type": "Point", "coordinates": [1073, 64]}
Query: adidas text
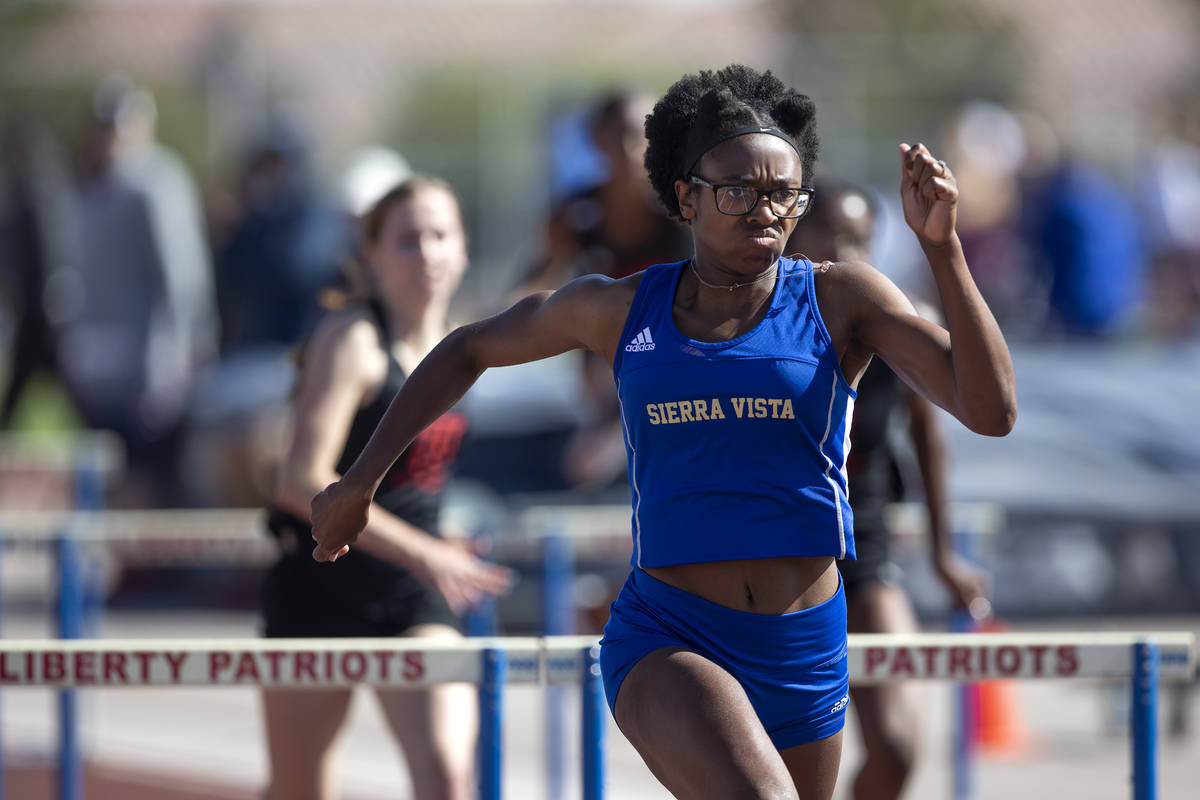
{"type": "Point", "coordinates": [643, 341]}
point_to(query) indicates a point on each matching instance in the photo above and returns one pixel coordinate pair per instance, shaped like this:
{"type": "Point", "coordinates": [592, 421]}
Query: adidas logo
{"type": "Point", "coordinates": [840, 704]}
{"type": "Point", "coordinates": [643, 341]}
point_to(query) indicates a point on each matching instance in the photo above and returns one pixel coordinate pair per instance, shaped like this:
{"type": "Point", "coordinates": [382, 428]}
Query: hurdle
{"type": "Point", "coordinates": [1144, 658]}
{"type": "Point", "coordinates": [492, 663]}
{"type": "Point", "coordinates": [489, 663]}
{"type": "Point", "coordinates": [165, 537]}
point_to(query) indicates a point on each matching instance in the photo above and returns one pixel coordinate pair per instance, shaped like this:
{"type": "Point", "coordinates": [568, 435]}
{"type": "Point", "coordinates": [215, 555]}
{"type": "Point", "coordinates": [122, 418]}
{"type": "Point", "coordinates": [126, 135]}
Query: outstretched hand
{"type": "Point", "coordinates": [928, 193]}
{"type": "Point", "coordinates": [968, 586]}
{"type": "Point", "coordinates": [339, 514]}
{"type": "Point", "coordinates": [455, 571]}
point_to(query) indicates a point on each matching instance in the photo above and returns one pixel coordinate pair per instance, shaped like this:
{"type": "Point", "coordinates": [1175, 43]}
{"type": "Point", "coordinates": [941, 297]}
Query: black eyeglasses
{"type": "Point", "coordinates": [737, 201]}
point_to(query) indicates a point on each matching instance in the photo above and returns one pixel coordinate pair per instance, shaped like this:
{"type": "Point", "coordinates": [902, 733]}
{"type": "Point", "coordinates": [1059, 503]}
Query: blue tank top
{"type": "Point", "coordinates": [736, 449]}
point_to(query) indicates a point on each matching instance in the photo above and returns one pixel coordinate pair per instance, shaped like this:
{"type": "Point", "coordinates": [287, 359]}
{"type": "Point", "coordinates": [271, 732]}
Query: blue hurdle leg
{"type": "Point", "coordinates": [559, 571]}
{"type": "Point", "coordinates": [491, 724]}
{"type": "Point", "coordinates": [70, 626]}
{"type": "Point", "coordinates": [1145, 721]}
{"type": "Point", "coordinates": [594, 716]}
{"type": "Point", "coordinates": [73, 592]}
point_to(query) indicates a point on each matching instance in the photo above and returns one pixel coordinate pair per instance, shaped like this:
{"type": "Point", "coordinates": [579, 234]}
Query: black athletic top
{"type": "Point", "coordinates": [872, 468]}
{"type": "Point", "coordinates": [411, 489]}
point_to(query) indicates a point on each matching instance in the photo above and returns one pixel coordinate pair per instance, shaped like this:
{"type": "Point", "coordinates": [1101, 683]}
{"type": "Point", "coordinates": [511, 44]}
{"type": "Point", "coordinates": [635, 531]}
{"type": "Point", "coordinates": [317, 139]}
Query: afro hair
{"type": "Point", "coordinates": [701, 106]}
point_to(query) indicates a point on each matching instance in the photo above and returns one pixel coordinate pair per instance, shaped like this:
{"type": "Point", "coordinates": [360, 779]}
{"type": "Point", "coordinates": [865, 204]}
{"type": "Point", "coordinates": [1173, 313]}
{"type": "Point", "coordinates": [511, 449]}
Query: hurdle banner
{"type": "Point", "coordinates": [878, 658]}
{"type": "Point", "coordinates": [285, 663]}
{"type": "Point", "coordinates": [311, 663]}
{"type": "Point", "coordinates": [280, 663]}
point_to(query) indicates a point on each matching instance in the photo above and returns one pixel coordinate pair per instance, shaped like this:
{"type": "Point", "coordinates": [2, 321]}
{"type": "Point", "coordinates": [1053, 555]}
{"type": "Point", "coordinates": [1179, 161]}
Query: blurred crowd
{"type": "Point", "coordinates": [167, 311]}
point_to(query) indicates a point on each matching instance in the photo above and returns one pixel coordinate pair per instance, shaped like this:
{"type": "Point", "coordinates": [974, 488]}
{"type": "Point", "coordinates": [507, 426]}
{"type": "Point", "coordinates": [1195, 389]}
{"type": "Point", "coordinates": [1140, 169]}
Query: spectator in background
{"type": "Point", "coordinates": [617, 226]}
{"type": "Point", "coordinates": [285, 247]}
{"type": "Point", "coordinates": [36, 216]}
{"type": "Point", "coordinates": [139, 322]}
{"type": "Point", "coordinates": [840, 228]}
{"type": "Point", "coordinates": [1088, 249]}
{"type": "Point", "coordinates": [1170, 195]}
{"type": "Point", "coordinates": [405, 580]}
{"type": "Point", "coordinates": [369, 173]}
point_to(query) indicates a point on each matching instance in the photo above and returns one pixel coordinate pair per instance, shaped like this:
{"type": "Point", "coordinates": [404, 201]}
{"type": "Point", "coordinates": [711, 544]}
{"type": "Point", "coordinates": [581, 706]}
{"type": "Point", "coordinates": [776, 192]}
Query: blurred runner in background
{"type": "Point", "coordinates": [404, 579]}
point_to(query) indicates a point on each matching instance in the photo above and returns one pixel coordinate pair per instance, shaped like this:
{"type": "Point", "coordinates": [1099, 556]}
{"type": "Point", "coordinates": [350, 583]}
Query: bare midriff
{"type": "Point", "coordinates": [758, 586]}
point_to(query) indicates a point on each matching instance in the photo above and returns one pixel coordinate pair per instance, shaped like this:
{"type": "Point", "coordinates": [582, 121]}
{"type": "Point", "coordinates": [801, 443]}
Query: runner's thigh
{"type": "Point", "coordinates": [692, 723]}
{"type": "Point", "coordinates": [814, 766]}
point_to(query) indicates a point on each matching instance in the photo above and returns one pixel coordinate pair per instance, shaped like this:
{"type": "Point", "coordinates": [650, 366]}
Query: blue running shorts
{"type": "Point", "coordinates": [792, 666]}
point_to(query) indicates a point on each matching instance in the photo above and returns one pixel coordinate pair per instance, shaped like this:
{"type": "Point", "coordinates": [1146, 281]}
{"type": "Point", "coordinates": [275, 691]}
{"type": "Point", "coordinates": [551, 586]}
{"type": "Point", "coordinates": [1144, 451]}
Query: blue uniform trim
{"type": "Point", "coordinates": [637, 495]}
{"type": "Point", "coordinates": [793, 666]}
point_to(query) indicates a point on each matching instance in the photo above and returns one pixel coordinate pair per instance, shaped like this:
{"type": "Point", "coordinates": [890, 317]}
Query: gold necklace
{"type": "Point", "coordinates": [822, 267]}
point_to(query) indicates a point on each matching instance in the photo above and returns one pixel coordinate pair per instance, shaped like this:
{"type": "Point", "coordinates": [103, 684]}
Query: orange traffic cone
{"type": "Point", "coordinates": [1000, 726]}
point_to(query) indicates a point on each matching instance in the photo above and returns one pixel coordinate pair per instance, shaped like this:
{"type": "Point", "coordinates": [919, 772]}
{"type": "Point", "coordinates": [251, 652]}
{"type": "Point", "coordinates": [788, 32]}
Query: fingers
{"type": "Point", "coordinates": [911, 155]}
{"type": "Point", "coordinates": [905, 159]}
{"type": "Point", "coordinates": [496, 579]}
{"type": "Point", "coordinates": [968, 587]}
{"type": "Point", "coordinates": [482, 581]}
{"type": "Point", "coordinates": [457, 598]}
{"type": "Point", "coordinates": [923, 166]}
{"type": "Point", "coordinates": [491, 579]}
{"type": "Point", "coordinates": [463, 580]}
{"type": "Point", "coordinates": [930, 177]}
{"type": "Point", "coordinates": [969, 594]}
{"type": "Point", "coordinates": [974, 596]}
{"type": "Point", "coordinates": [325, 551]}
{"type": "Point", "coordinates": [322, 553]}
{"type": "Point", "coordinates": [919, 164]}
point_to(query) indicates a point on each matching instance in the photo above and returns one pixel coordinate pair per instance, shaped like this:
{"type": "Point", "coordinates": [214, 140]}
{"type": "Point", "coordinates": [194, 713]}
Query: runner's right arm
{"type": "Point", "coordinates": [587, 313]}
